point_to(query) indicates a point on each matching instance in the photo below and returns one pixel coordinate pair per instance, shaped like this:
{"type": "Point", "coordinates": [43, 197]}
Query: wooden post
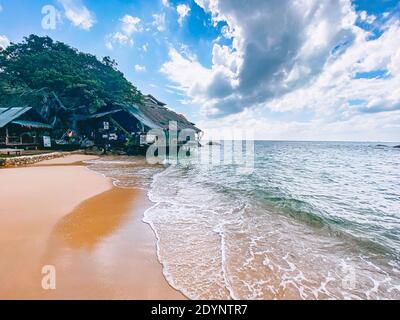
{"type": "Point", "coordinates": [6, 136]}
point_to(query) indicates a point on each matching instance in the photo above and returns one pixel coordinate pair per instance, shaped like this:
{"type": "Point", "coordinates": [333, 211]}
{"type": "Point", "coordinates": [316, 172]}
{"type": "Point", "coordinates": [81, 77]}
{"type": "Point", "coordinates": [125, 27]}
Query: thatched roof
{"type": "Point", "coordinates": [161, 116]}
{"type": "Point", "coordinates": [152, 114]}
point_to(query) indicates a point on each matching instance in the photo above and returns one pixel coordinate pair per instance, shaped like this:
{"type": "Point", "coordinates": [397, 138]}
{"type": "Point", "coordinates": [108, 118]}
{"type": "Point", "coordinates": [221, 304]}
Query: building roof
{"type": "Point", "coordinates": [32, 124]}
{"type": "Point", "coordinates": [153, 114]}
{"type": "Point", "coordinates": [156, 112]}
{"type": "Point", "coordinates": [163, 116]}
{"type": "Point", "coordinates": [152, 99]}
{"type": "Point", "coordinates": [7, 115]}
{"type": "Point", "coordinates": [158, 117]}
{"type": "Point", "coordinates": [138, 114]}
{"type": "Point", "coordinates": [96, 115]}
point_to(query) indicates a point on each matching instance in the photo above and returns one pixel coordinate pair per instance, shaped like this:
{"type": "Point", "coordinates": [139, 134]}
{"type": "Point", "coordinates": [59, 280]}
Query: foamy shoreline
{"type": "Point", "coordinates": [60, 213]}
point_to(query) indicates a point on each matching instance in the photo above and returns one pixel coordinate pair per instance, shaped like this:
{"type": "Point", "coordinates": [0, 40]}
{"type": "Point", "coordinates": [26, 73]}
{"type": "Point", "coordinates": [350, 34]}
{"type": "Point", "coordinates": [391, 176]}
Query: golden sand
{"type": "Point", "coordinates": [64, 215]}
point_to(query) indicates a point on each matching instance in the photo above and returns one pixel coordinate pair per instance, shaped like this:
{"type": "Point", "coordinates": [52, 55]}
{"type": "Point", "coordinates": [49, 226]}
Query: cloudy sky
{"type": "Point", "coordinates": [291, 70]}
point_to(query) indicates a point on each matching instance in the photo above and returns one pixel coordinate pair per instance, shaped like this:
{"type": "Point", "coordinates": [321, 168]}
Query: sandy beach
{"type": "Point", "coordinates": [60, 213]}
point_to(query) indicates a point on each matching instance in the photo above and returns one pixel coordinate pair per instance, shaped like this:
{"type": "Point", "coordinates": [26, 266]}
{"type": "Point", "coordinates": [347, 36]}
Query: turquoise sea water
{"type": "Point", "coordinates": [313, 220]}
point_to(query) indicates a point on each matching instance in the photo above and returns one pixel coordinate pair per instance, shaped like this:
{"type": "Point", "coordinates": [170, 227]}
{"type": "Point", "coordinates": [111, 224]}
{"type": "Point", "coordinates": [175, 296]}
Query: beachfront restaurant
{"type": "Point", "coordinates": [23, 127]}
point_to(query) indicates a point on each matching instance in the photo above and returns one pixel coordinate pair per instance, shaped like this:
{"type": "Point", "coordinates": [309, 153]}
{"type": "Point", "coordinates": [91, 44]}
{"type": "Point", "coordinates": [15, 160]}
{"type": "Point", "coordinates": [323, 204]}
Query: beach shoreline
{"type": "Point", "coordinates": [59, 213]}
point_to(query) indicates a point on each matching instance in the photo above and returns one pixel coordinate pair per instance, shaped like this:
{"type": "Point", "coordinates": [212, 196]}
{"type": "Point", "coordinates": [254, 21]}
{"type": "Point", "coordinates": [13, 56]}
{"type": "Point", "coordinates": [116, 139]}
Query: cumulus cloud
{"type": "Point", "coordinates": [78, 14]}
{"type": "Point", "coordinates": [304, 61]}
{"type": "Point", "coordinates": [128, 26]}
{"type": "Point", "coordinates": [118, 37]}
{"type": "Point", "coordinates": [295, 56]}
{"type": "Point", "coordinates": [139, 68]}
{"type": "Point", "coordinates": [183, 10]}
{"type": "Point", "coordinates": [278, 50]}
{"type": "Point", "coordinates": [367, 18]}
{"type": "Point", "coordinates": [159, 21]}
{"type": "Point", "coordinates": [249, 124]}
{"type": "Point", "coordinates": [187, 72]}
{"type": "Point", "coordinates": [338, 91]}
{"type": "Point", "coordinates": [165, 3]}
{"type": "Point", "coordinates": [4, 42]}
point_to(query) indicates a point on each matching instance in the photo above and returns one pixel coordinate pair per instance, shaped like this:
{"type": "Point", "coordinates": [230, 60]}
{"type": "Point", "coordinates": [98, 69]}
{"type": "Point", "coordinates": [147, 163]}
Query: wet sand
{"type": "Point", "coordinates": [59, 213]}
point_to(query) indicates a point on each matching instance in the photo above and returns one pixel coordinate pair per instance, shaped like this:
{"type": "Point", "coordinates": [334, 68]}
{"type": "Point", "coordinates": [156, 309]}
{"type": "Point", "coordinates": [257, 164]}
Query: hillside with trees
{"type": "Point", "coordinates": [39, 71]}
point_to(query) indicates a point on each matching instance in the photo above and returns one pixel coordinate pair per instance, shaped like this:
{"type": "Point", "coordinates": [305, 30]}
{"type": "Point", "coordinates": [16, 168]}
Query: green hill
{"type": "Point", "coordinates": [39, 69]}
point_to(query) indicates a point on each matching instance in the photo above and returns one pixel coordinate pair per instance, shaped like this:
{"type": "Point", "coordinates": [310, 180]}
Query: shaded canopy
{"type": "Point", "coordinates": [9, 114]}
{"type": "Point", "coordinates": [12, 115]}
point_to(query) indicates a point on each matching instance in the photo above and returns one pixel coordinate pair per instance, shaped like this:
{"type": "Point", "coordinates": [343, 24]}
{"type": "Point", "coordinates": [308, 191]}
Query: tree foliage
{"type": "Point", "coordinates": [40, 67]}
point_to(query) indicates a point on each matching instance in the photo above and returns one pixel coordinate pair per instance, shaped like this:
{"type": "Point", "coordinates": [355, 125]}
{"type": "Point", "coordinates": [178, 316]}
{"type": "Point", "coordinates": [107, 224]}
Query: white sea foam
{"type": "Point", "coordinates": [217, 239]}
{"type": "Point", "coordinates": [212, 247]}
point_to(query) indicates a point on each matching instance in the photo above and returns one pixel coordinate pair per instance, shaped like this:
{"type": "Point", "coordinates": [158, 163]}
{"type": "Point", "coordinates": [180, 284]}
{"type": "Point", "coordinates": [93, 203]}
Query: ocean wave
{"type": "Point", "coordinates": [337, 227]}
{"type": "Point", "coordinates": [213, 246]}
{"type": "Point", "coordinates": [292, 229]}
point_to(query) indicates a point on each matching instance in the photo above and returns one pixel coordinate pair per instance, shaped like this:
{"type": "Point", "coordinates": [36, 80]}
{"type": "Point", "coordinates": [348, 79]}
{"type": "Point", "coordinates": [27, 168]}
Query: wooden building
{"type": "Point", "coordinates": [129, 124]}
{"type": "Point", "coordinates": [117, 127]}
{"type": "Point", "coordinates": [23, 127]}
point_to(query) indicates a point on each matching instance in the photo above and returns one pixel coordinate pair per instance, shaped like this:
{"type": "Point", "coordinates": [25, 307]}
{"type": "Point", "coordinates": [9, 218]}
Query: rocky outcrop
{"type": "Point", "coordinates": [27, 160]}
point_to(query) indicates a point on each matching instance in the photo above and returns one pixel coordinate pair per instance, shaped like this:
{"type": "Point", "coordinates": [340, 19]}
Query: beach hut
{"type": "Point", "coordinates": [23, 127]}
{"type": "Point", "coordinates": [124, 125]}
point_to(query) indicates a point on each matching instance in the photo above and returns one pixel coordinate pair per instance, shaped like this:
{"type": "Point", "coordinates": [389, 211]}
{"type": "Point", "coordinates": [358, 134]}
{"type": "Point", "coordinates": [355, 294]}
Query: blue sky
{"type": "Point", "coordinates": [315, 70]}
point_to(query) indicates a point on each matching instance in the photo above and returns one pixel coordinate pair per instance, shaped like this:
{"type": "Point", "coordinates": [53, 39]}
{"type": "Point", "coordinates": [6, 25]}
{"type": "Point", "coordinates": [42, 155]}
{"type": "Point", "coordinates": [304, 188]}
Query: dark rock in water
{"type": "Point", "coordinates": [382, 145]}
{"type": "Point", "coordinates": [397, 147]}
{"type": "Point", "coordinates": [213, 143]}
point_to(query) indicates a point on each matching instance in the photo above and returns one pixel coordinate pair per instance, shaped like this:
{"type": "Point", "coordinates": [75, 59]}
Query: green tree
{"type": "Point", "coordinates": [39, 67]}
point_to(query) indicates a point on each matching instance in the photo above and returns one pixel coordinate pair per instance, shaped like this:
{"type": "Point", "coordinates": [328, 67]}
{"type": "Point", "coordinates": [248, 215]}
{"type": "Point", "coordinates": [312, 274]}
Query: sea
{"type": "Point", "coordinates": [296, 220]}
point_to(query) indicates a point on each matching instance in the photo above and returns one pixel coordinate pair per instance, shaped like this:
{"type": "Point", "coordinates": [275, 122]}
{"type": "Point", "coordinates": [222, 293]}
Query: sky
{"type": "Point", "coordinates": [282, 69]}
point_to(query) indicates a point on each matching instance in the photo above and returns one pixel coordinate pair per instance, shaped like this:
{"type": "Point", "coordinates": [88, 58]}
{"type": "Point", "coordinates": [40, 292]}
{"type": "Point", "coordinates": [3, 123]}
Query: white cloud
{"type": "Point", "coordinates": [78, 14]}
{"type": "Point", "coordinates": [299, 57]}
{"type": "Point", "coordinates": [145, 47]}
{"type": "Point", "coordinates": [4, 42]}
{"type": "Point", "coordinates": [159, 21]}
{"type": "Point", "coordinates": [165, 3]}
{"type": "Point", "coordinates": [1, 8]}
{"type": "Point", "coordinates": [368, 127]}
{"type": "Point", "coordinates": [336, 86]}
{"type": "Point", "coordinates": [188, 73]}
{"type": "Point", "coordinates": [183, 10]}
{"type": "Point", "coordinates": [139, 68]}
{"type": "Point", "coordinates": [270, 55]}
{"type": "Point", "coordinates": [367, 18]}
{"type": "Point", "coordinates": [130, 24]}
{"type": "Point", "coordinates": [118, 37]}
